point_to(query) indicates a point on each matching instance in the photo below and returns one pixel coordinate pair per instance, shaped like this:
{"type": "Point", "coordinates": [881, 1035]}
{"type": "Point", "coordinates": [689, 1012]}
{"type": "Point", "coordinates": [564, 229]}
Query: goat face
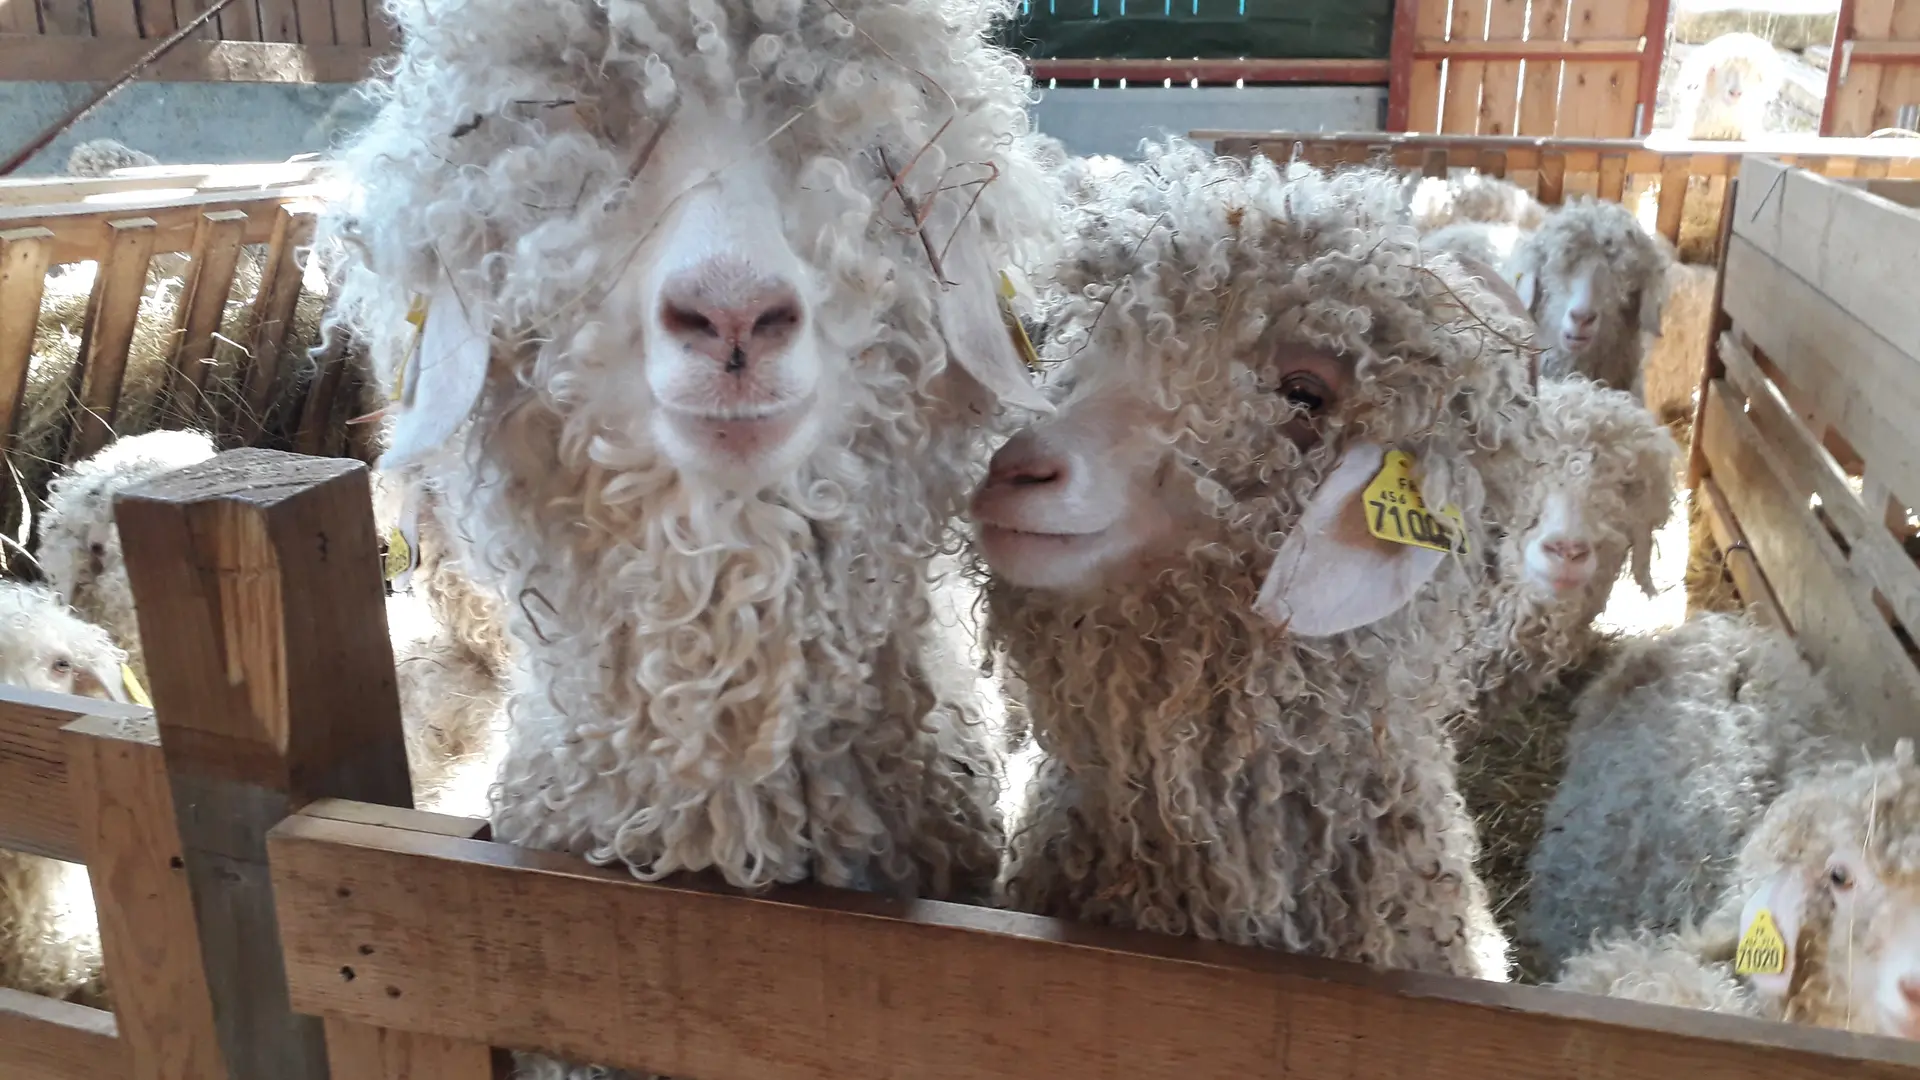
{"type": "Point", "coordinates": [735, 383]}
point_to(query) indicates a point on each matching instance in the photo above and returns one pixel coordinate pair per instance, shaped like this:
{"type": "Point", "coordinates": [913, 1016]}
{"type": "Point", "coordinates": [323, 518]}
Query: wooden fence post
{"type": "Point", "coordinates": [257, 580]}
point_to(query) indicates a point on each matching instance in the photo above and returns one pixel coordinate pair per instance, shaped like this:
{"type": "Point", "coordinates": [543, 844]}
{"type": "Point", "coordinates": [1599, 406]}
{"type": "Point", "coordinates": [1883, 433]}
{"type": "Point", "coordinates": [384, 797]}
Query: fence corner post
{"type": "Point", "coordinates": [257, 582]}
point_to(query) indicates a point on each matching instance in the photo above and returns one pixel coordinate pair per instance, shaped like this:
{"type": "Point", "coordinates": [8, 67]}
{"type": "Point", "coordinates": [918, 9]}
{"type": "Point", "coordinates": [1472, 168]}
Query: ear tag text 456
{"type": "Point", "coordinates": [1763, 951]}
{"type": "Point", "coordinates": [1021, 341]}
{"type": "Point", "coordinates": [1396, 513]}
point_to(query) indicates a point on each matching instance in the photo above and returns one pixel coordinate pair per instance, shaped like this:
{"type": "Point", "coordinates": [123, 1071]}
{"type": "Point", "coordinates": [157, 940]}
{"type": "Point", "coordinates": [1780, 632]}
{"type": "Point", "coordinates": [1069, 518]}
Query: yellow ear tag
{"type": "Point", "coordinates": [1396, 513]}
{"type": "Point", "coordinates": [1020, 339]}
{"type": "Point", "coordinates": [134, 690]}
{"type": "Point", "coordinates": [1763, 951]}
{"type": "Point", "coordinates": [399, 554]}
{"type": "Point", "coordinates": [417, 315]}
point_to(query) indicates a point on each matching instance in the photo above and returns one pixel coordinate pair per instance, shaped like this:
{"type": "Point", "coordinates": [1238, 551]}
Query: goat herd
{"type": "Point", "coordinates": [728, 305]}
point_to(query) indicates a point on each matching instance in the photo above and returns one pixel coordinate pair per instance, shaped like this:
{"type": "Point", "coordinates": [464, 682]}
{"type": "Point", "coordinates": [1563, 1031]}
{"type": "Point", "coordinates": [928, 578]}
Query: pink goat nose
{"type": "Point", "coordinates": [1024, 462]}
{"type": "Point", "coordinates": [730, 314]}
{"type": "Point", "coordinates": [1568, 551]}
{"type": "Point", "coordinates": [1583, 319]}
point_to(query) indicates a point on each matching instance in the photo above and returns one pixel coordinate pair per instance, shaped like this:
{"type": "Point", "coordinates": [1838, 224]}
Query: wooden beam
{"type": "Point", "coordinates": [1594, 50]}
{"type": "Point", "coordinates": [1406, 26]}
{"type": "Point", "coordinates": [106, 333]}
{"type": "Point", "coordinates": [1742, 565]}
{"type": "Point", "coordinates": [79, 231]}
{"type": "Point", "coordinates": [257, 583]}
{"type": "Point", "coordinates": [1718, 323]}
{"type": "Point", "coordinates": [497, 945]}
{"type": "Point", "coordinates": [25, 254]}
{"type": "Point", "coordinates": [132, 184]}
{"type": "Point", "coordinates": [1217, 71]}
{"type": "Point", "coordinates": [1648, 95]}
{"type": "Point", "coordinates": [1836, 61]}
{"type": "Point", "coordinates": [131, 841]}
{"type": "Point", "coordinates": [371, 1053]}
{"type": "Point", "coordinates": [272, 317]}
{"type": "Point", "coordinates": [43, 1039]}
{"type": "Point", "coordinates": [37, 811]}
{"type": "Point", "coordinates": [42, 58]}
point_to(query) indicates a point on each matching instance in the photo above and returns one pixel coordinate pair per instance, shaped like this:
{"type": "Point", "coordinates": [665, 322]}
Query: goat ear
{"type": "Point", "coordinates": [110, 675]}
{"type": "Point", "coordinates": [1491, 280]}
{"type": "Point", "coordinates": [1653, 306]}
{"type": "Point", "coordinates": [440, 382]}
{"type": "Point", "coordinates": [979, 340]}
{"type": "Point", "coordinates": [1331, 574]}
{"type": "Point", "coordinates": [1526, 285]}
{"type": "Point", "coordinates": [1782, 899]}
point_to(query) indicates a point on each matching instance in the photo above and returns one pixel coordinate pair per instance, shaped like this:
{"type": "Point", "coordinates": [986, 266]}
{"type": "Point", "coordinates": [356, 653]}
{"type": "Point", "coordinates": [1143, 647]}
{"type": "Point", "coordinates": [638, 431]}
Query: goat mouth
{"type": "Point", "coordinates": [743, 430]}
{"type": "Point", "coordinates": [1576, 341]}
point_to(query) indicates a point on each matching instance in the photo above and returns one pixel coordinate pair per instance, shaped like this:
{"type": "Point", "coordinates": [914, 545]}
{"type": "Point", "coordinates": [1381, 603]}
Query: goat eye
{"type": "Point", "coordinates": [62, 666]}
{"type": "Point", "coordinates": [1840, 877]}
{"type": "Point", "coordinates": [1306, 391]}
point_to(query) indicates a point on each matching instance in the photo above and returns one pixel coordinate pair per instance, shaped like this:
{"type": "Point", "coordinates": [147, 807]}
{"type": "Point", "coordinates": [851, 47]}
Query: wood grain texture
{"type": "Point", "coordinates": [25, 254]}
{"type": "Point", "coordinates": [1748, 579]}
{"type": "Point", "coordinates": [1540, 79]}
{"type": "Point", "coordinates": [280, 21]}
{"type": "Point", "coordinates": [67, 18]}
{"type": "Point", "coordinates": [172, 179]}
{"type": "Point", "coordinates": [43, 1039]}
{"type": "Point", "coordinates": [208, 282]}
{"type": "Point", "coordinates": [273, 676]}
{"type": "Point", "coordinates": [371, 1053]}
{"type": "Point", "coordinates": [273, 309]}
{"type": "Point", "coordinates": [113, 312]}
{"type": "Point", "coordinates": [316, 409]}
{"type": "Point", "coordinates": [485, 943]}
{"type": "Point", "coordinates": [37, 809]}
{"type": "Point", "coordinates": [115, 18]}
{"type": "Point", "coordinates": [79, 229]}
{"type": "Point", "coordinates": [38, 57]}
{"type": "Point", "coordinates": [148, 934]}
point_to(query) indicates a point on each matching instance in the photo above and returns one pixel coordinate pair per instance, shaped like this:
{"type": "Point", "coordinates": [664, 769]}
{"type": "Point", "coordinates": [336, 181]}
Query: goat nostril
{"type": "Point", "coordinates": [782, 316]}
{"type": "Point", "coordinates": [687, 322]}
{"type": "Point", "coordinates": [1034, 477]}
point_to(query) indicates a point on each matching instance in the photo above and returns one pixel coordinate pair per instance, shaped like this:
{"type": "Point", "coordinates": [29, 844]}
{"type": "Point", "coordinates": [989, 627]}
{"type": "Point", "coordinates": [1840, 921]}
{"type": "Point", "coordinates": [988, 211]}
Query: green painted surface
{"type": "Point", "coordinates": [1208, 29]}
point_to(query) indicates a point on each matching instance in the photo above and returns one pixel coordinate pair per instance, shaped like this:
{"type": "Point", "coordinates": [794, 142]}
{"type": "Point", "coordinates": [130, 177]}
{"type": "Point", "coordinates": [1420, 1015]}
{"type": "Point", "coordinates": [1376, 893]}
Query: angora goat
{"type": "Point", "coordinates": [1594, 281]}
{"type": "Point", "coordinates": [1726, 86]}
{"type": "Point", "coordinates": [49, 936]}
{"type": "Point", "coordinates": [705, 408]}
{"type": "Point", "coordinates": [1835, 865]}
{"type": "Point", "coordinates": [1237, 692]}
{"type": "Point", "coordinates": [1437, 202]}
{"type": "Point", "coordinates": [1676, 750]}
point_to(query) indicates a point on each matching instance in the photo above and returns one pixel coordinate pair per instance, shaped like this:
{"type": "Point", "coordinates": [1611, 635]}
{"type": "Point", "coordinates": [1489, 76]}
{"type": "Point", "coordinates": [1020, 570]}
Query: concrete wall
{"type": "Point", "coordinates": [182, 123]}
{"type": "Point", "coordinates": [1114, 121]}
{"type": "Point", "coordinates": [211, 123]}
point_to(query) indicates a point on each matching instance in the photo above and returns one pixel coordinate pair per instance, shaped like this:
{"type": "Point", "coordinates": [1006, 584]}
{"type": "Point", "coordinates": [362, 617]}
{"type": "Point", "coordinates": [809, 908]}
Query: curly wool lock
{"type": "Point", "coordinates": [1204, 771]}
{"type": "Point", "coordinates": [1691, 735]}
{"type": "Point", "coordinates": [734, 680]}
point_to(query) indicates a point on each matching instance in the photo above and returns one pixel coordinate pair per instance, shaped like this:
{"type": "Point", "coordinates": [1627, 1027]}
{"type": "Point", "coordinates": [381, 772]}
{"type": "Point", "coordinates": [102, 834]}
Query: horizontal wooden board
{"type": "Point", "coordinates": [157, 182]}
{"type": "Point", "coordinates": [1857, 380]}
{"type": "Point", "coordinates": [1336, 72]}
{"type": "Point", "coordinates": [81, 230]}
{"type": "Point", "coordinates": [36, 800]}
{"type": "Point", "coordinates": [43, 1039]}
{"type": "Point", "coordinates": [1829, 607]}
{"type": "Point", "coordinates": [485, 943]}
{"type": "Point", "coordinates": [1738, 555]}
{"type": "Point", "coordinates": [39, 57]}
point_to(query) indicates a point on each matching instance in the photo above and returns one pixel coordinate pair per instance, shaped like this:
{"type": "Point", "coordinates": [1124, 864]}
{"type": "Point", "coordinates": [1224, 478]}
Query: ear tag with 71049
{"type": "Point", "coordinates": [1396, 513]}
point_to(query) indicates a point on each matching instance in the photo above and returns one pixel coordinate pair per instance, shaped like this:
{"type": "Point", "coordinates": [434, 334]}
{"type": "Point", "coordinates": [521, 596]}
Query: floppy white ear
{"type": "Point", "coordinates": [1526, 285]}
{"type": "Point", "coordinates": [1643, 563]}
{"type": "Point", "coordinates": [441, 383]}
{"type": "Point", "coordinates": [1783, 899]}
{"type": "Point", "coordinates": [1331, 574]}
{"type": "Point", "coordinates": [1500, 287]}
{"type": "Point", "coordinates": [108, 673]}
{"type": "Point", "coordinates": [979, 341]}
{"type": "Point", "coordinates": [1653, 304]}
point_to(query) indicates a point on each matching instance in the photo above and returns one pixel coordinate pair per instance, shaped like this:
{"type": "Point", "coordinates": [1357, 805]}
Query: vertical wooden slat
{"type": "Point", "coordinates": [362, 1052]}
{"type": "Point", "coordinates": [350, 22]}
{"type": "Point", "coordinates": [1553, 177]}
{"type": "Point", "coordinates": [1500, 84]}
{"type": "Point", "coordinates": [1494, 163]}
{"type": "Point", "coordinates": [217, 240]}
{"type": "Point", "coordinates": [115, 19]}
{"type": "Point", "coordinates": [1648, 94]}
{"type": "Point", "coordinates": [1406, 29]}
{"type": "Point", "coordinates": [1843, 32]}
{"type": "Point", "coordinates": [279, 20]}
{"type": "Point", "coordinates": [256, 584]}
{"type": "Point", "coordinates": [128, 830]}
{"type": "Point", "coordinates": [70, 18]}
{"type": "Point", "coordinates": [316, 21]}
{"type": "Point", "coordinates": [1435, 163]}
{"type": "Point", "coordinates": [1712, 366]}
{"type": "Point", "coordinates": [1613, 177]}
{"type": "Point", "coordinates": [239, 21]}
{"type": "Point", "coordinates": [272, 315]}
{"type": "Point", "coordinates": [113, 311]}
{"type": "Point", "coordinates": [1673, 197]}
{"type": "Point", "coordinates": [24, 255]}
{"type": "Point", "coordinates": [1858, 96]}
{"type": "Point", "coordinates": [380, 29]}
{"type": "Point", "coordinates": [1598, 97]}
{"type": "Point", "coordinates": [19, 17]}
{"type": "Point", "coordinates": [1460, 112]}
{"type": "Point", "coordinates": [1540, 79]}
{"type": "Point", "coordinates": [317, 411]}
{"type": "Point", "coordinates": [157, 18]}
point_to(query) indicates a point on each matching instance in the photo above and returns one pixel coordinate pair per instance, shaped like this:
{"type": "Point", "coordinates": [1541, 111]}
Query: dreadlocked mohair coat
{"type": "Point", "coordinates": [741, 681]}
{"type": "Point", "coordinates": [1205, 772]}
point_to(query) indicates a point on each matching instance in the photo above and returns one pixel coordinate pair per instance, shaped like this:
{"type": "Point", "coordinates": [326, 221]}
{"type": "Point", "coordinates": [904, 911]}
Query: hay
{"type": "Point", "coordinates": [1709, 586]}
{"type": "Point", "coordinates": [1511, 762]}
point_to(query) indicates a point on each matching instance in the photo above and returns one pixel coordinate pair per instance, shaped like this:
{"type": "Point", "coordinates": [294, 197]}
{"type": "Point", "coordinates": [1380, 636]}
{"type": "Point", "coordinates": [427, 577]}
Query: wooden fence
{"type": "Point", "coordinates": [412, 946]}
{"type": "Point", "coordinates": [1804, 451]}
{"type": "Point", "coordinates": [1688, 179]}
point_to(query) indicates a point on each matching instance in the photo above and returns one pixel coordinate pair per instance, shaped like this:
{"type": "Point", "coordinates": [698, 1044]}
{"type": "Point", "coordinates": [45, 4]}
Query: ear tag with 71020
{"type": "Point", "coordinates": [1396, 513]}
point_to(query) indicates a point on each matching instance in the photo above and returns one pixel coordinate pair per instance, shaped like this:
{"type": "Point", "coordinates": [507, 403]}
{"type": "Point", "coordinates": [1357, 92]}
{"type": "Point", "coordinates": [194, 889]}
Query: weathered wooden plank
{"type": "Point", "coordinates": [273, 309]}
{"type": "Point", "coordinates": [350, 22]}
{"type": "Point", "coordinates": [482, 943]}
{"type": "Point", "coordinates": [43, 1039]}
{"type": "Point", "coordinates": [113, 312]}
{"type": "Point", "coordinates": [316, 22]}
{"type": "Point", "coordinates": [134, 857]}
{"type": "Point", "coordinates": [41, 58]}
{"type": "Point", "coordinates": [273, 677]}
{"type": "Point", "coordinates": [67, 18]}
{"type": "Point", "coordinates": [1500, 85]}
{"type": "Point", "coordinates": [37, 812]}
{"type": "Point", "coordinates": [1857, 101]}
{"type": "Point", "coordinates": [1673, 198]}
{"type": "Point", "coordinates": [280, 21]}
{"type": "Point", "coordinates": [1745, 570]}
{"type": "Point", "coordinates": [215, 255]}
{"type": "Point", "coordinates": [79, 233]}
{"type": "Point", "coordinates": [316, 411]}
{"type": "Point", "coordinates": [1553, 178]}
{"type": "Point", "coordinates": [1831, 610]}
{"type": "Point", "coordinates": [1613, 177]}
{"type": "Point", "coordinates": [170, 179]}
{"type": "Point", "coordinates": [1540, 80]}
{"type": "Point", "coordinates": [115, 19]}
{"type": "Point", "coordinates": [371, 1053]}
{"type": "Point", "coordinates": [25, 254]}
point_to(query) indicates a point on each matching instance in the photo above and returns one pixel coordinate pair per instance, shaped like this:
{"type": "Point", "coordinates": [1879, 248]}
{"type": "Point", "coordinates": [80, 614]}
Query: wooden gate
{"type": "Point", "coordinates": [1875, 73]}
